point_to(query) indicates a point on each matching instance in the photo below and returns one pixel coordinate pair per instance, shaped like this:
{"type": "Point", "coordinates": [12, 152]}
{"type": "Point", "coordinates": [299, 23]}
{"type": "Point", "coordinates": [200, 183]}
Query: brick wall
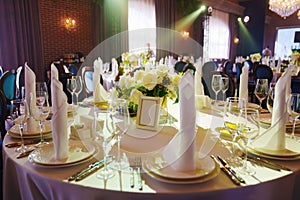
{"type": "Point", "coordinates": [57, 40]}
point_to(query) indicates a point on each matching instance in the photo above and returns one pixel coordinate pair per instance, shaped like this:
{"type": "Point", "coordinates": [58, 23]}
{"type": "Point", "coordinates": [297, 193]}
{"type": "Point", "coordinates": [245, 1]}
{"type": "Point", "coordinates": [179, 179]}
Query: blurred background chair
{"type": "Point", "coordinates": [179, 66]}
{"type": "Point", "coordinates": [295, 84]}
{"type": "Point", "coordinates": [18, 87]}
{"type": "Point", "coordinates": [8, 85]}
{"type": "Point", "coordinates": [3, 114]}
{"type": "Point", "coordinates": [208, 67]}
{"type": "Point", "coordinates": [206, 81]}
{"type": "Point", "coordinates": [1, 71]}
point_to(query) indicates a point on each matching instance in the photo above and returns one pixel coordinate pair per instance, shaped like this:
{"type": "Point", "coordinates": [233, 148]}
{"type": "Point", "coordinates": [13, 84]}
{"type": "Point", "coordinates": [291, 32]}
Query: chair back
{"type": "Point", "coordinates": [295, 84]}
{"type": "Point", "coordinates": [1, 71]}
{"type": "Point", "coordinates": [3, 114]}
{"type": "Point", "coordinates": [206, 81]}
{"type": "Point", "coordinates": [263, 71]}
{"type": "Point", "coordinates": [179, 66]}
{"type": "Point", "coordinates": [228, 67]}
{"type": "Point", "coordinates": [18, 74]}
{"type": "Point", "coordinates": [8, 85]}
{"type": "Point", "coordinates": [208, 67]}
{"type": "Point", "coordinates": [86, 74]}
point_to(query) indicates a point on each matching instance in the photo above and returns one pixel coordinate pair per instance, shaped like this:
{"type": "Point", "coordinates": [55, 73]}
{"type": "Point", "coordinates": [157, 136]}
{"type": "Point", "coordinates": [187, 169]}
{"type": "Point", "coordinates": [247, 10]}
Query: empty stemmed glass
{"type": "Point", "coordinates": [19, 114]}
{"type": "Point", "coordinates": [216, 85]}
{"type": "Point", "coordinates": [233, 106]}
{"type": "Point", "coordinates": [261, 90]}
{"type": "Point", "coordinates": [71, 87]}
{"type": "Point", "coordinates": [78, 89]}
{"type": "Point", "coordinates": [224, 86]}
{"type": "Point", "coordinates": [104, 130]}
{"type": "Point", "coordinates": [248, 129]}
{"type": "Point", "coordinates": [270, 98]}
{"type": "Point", "coordinates": [40, 111]}
{"type": "Point", "coordinates": [294, 110]}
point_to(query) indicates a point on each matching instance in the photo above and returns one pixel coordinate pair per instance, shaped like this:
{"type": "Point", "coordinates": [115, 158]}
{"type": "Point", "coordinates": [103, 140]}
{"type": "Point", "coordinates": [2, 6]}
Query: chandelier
{"type": "Point", "coordinates": [284, 8]}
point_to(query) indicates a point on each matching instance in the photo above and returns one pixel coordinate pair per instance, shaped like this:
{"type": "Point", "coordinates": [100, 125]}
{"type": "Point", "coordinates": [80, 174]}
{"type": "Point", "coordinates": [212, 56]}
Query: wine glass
{"type": "Point", "coordinates": [248, 129]}
{"type": "Point", "coordinates": [119, 111]}
{"type": "Point", "coordinates": [104, 130]}
{"type": "Point", "coordinates": [233, 106]}
{"type": "Point", "coordinates": [270, 98]}
{"type": "Point", "coordinates": [40, 111]}
{"type": "Point", "coordinates": [294, 110]}
{"type": "Point", "coordinates": [216, 84]}
{"type": "Point", "coordinates": [78, 89]}
{"type": "Point", "coordinates": [19, 114]}
{"type": "Point", "coordinates": [71, 87]}
{"type": "Point", "coordinates": [261, 90]}
{"type": "Point", "coordinates": [224, 86]}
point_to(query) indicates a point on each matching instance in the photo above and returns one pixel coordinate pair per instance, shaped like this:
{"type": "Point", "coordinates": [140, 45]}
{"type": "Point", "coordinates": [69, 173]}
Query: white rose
{"type": "Point", "coordinates": [149, 81]}
{"type": "Point", "coordinates": [139, 75]}
{"type": "Point", "coordinates": [162, 70]}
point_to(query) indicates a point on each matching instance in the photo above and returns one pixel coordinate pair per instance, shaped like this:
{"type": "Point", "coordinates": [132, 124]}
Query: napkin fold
{"type": "Point", "coordinates": [243, 88]}
{"type": "Point", "coordinates": [100, 94]}
{"type": "Point", "coordinates": [198, 79]}
{"type": "Point", "coordinates": [179, 153]}
{"type": "Point", "coordinates": [30, 80]}
{"type": "Point", "coordinates": [59, 117]}
{"type": "Point", "coordinates": [274, 137]}
{"type": "Point", "coordinates": [278, 67]}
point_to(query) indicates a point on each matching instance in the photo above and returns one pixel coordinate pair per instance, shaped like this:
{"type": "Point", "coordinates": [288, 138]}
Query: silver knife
{"type": "Point", "coordinates": [226, 171]}
{"type": "Point", "coordinates": [224, 163]}
{"type": "Point", "coordinates": [268, 163]}
{"type": "Point", "coordinates": [25, 154]}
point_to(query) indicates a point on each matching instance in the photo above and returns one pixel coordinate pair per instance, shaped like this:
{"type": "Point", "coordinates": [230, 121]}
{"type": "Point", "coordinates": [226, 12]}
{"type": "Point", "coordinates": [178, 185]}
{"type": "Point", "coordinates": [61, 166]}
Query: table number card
{"type": "Point", "coordinates": [148, 113]}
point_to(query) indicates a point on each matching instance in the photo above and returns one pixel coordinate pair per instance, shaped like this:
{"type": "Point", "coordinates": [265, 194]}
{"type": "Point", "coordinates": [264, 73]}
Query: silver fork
{"type": "Point", "coordinates": [138, 163]}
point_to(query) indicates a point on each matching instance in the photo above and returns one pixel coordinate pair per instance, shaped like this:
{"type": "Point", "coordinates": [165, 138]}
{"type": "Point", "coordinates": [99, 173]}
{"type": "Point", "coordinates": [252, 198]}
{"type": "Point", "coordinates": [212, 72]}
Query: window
{"type": "Point", "coordinates": [141, 15]}
{"type": "Point", "coordinates": [218, 35]}
{"type": "Point", "coordinates": [285, 42]}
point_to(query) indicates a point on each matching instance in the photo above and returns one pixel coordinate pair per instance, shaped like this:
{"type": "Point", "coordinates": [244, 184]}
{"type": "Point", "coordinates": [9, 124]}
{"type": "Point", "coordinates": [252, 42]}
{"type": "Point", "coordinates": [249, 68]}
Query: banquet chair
{"type": "Point", "coordinates": [228, 67]}
{"type": "Point", "coordinates": [208, 67]}
{"type": "Point", "coordinates": [3, 114]}
{"type": "Point", "coordinates": [295, 84]}
{"type": "Point", "coordinates": [179, 66]}
{"type": "Point", "coordinates": [8, 85]}
{"type": "Point", "coordinates": [18, 74]}
{"type": "Point", "coordinates": [1, 71]}
{"type": "Point", "coordinates": [86, 74]}
{"type": "Point", "coordinates": [206, 81]}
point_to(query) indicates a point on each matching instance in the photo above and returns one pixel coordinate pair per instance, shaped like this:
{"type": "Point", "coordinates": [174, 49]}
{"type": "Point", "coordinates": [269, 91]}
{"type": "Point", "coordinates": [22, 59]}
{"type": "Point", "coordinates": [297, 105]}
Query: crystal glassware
{"type": "Point", "coordinates": [261, 90]}
{"type": "Point", "coordinates": [216, 85]}
{"type": "Point", "coordinates": [248, 129]}
{"type": "Point", "coordinates": [19, 114]}
{"type": "Point", "coordinates": [233, 106]}
{"type": "Point", "coordinates": [224, 86]}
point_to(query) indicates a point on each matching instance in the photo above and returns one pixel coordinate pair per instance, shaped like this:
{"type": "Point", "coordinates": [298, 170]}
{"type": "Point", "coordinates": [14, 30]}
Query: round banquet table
{"type": "Point", "coordinates": [24, 180]}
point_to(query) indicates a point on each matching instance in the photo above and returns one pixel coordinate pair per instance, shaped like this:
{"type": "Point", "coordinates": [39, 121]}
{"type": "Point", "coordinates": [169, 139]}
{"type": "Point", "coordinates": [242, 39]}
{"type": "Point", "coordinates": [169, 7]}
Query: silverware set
{"type": "Point", "coordinates": [136, 167]}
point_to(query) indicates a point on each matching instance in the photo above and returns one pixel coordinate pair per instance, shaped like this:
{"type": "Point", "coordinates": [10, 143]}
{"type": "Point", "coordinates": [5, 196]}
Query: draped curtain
{"type": "Point", "coordinates": [110, 19]}
{"type": "Point", "coordinates": [165, 18]}
{"type": "Point", "coordinates": [20, 35]}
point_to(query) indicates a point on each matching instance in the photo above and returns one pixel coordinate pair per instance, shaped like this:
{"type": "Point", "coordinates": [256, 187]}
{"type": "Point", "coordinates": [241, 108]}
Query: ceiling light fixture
{"type": "Point", "coordinates": [284, 8]}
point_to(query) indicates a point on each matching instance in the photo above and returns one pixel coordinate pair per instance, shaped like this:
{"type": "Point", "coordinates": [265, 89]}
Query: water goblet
{"type": "Point", "coordinates": [78, 89]}
{"type": "Point", "coordinates": [224, 86]}
{"type": "Point", "coordinates": [104, 131]}
{"type": "Point", "coordinates": [19, 114]}
{"type": "Point", "coordinates": [294, 110]}
{"type": "Point", "coordinates": [233, 106]}
{"type": "Point", "coordinates": [261, 90]}
{"type": "Point", "coordinates": [40, 111]}
{"type": "Point", "coordinates": [248, 129]}
{"type": "Point", "coordinates": [216, 85]}
{"type": "Point", "coordinates": [71, 87]}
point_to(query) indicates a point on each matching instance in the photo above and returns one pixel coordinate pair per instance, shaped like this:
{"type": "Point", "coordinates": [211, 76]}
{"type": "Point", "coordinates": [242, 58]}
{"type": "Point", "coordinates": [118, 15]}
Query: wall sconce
{"type": "Point", "coordinates": [185, 34]}
{"type": "Point", "coordinates": [70, 23]}
{"type": "Point", "coordinates": [298, 14]}
{"type": "Point", "coordinates": [236, 40]}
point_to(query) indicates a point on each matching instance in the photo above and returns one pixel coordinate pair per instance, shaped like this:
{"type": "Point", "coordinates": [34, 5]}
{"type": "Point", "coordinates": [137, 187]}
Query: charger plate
{"type": "Point", "coordinates": [291, 152]}
{"type": "Point", "coordinates": [186, 177]}
{"type": "Point", "coordinates": [78, 153]}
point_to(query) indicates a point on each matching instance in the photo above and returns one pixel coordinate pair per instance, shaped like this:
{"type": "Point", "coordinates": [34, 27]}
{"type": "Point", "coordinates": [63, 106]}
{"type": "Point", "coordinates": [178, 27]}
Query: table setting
{"type": "Point", "coordinates": [186, 156]}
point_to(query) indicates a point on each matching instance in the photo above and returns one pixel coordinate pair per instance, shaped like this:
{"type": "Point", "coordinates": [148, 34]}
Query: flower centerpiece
{"type": "Point", "coordinates": [157, 82]}
{"type": "Point", "coordinates": [255, 57]}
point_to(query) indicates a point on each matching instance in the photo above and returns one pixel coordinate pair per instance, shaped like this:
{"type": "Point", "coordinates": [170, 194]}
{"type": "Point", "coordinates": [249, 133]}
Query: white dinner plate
{"type": "Point", "coordinates": [266, 118]}
{"type": "Point", "coordinates": [158, 166]}
{"type": "Point", "coordinates": [292, 150]}
{"type": "Point", "coordinates": [201, 179]}
{"type": "Point", "coordinates": [78, 152]}
{"type": "Point", "coordinates": [15, 130]}
{"type": "Point", "coordinates": [142, 145]}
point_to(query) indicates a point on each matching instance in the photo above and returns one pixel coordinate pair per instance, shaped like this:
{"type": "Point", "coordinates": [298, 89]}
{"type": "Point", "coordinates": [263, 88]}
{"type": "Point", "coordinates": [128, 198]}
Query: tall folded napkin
{"type": "Point", "coordinates": [243, 88]}
{"type": "Point", "coordinates": [278, 67]}
{"type": "Point", "coordinates": [59, 117]}
{"type": "Point", "coordinates": [100, 94]}
{"type": "Point", "coordinates": [274, 137]}
{"type": "Point", "coordinates": [30, 88]}
{"type": "Point", "coordinates": [179, 153]}
{"type": "Point", "coordinates": [198, 78]}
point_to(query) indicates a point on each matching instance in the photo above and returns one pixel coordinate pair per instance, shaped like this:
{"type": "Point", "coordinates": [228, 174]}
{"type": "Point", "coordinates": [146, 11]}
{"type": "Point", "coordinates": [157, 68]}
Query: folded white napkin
{"type": "Point", "coordinates": [59, 117]}
{"type": "Point", "coordinates": [199, 90]}
{"type": "Point", "coordinates": [100, 94]}
{"type": "Point", "coordinates": [30, 88]}
{"type": "Point", "coordinates": [179, 153]}
{"type": "Point", "coordinates": [274, 137]}
{"type": "Point", "coordinates": [278, 67]}
{"type": "Point", "coordinates": [243, 88]}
